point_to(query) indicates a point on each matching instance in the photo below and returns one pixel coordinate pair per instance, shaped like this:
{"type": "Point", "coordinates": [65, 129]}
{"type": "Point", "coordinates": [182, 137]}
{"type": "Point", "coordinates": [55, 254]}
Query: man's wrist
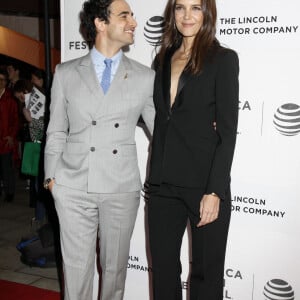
{"type": "Point", "coordinates": [46, 183]}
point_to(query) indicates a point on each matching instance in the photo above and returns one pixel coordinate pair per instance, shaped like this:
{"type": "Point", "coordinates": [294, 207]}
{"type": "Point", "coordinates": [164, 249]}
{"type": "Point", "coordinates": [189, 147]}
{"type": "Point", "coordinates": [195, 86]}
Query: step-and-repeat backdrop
{"type": "Point", "coordinates": [263, 253]}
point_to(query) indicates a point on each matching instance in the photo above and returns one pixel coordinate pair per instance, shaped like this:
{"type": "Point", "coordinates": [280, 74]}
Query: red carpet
{"type": "Point", "coordinates": [16, 291]}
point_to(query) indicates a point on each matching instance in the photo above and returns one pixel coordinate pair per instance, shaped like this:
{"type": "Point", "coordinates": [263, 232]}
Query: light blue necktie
{"type": "Point", "coordinates": [105, 82]}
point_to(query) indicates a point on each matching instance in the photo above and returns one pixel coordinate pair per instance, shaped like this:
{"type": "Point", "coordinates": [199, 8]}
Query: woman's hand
{"type": "Point", "coordinates": [27, 114]}
{"type": "Point", "coordinates": [209, 209]}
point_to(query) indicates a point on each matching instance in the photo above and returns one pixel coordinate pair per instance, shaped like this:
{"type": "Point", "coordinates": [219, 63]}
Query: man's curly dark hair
{"type": "Point", "coordinates": [91, 10]}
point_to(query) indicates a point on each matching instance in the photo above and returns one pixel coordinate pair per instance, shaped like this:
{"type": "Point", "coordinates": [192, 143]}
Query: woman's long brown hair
{"type": "Point", "coordinates": [204, 41]}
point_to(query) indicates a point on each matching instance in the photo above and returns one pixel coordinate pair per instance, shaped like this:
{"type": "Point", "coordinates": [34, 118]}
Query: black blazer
{"type": "Point", "coordinates": [186, 150]}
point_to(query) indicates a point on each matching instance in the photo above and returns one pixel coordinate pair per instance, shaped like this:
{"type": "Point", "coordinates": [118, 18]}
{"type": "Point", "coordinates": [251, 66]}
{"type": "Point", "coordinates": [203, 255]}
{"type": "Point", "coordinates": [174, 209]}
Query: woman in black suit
{"type": "Point", "coordinates": [196, 85]}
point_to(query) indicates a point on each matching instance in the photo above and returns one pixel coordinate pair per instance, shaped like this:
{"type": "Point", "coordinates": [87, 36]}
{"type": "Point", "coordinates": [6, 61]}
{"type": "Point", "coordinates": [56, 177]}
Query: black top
{"type": "Point", "coordinates": [186, 150]}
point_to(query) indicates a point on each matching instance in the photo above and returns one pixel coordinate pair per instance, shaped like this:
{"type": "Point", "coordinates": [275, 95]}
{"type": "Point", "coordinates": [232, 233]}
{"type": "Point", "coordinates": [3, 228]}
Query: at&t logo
{"type": "Point", "coordinates": [277, 289]}
{"type": "Point", "coordinates": [287, 119]}
{"type": "Point", "coordinates": [153, 30]}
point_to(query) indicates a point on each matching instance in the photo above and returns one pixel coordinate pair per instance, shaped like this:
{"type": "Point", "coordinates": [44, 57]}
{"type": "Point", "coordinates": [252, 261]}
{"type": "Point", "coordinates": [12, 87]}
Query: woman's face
{"type": "Point", "coordinates": [20, 96]}
{"type": "Point", "coordinates": [188, 17]}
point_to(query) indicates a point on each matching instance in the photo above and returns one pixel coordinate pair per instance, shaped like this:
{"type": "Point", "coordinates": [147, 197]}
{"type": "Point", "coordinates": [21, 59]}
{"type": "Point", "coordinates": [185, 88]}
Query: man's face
{"type": "Point", "coordinates": [121, 26]}
{"type": "Point", "coordinates": [3, 81]}
{"type": "Point", "coordinates": [37, 81]}
{"type": "Point", "coordinates": [13, 74]}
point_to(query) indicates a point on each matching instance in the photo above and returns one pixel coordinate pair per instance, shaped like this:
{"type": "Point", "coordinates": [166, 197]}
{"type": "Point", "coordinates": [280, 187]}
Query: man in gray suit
{"type": "Point", "coordinates": [91, 162]}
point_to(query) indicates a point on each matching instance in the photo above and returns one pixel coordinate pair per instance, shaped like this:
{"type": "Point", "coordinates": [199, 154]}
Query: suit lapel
{"type": "Point", "coordinates": [183, 79]}
{"type": "Point", "coordinates": [88, 75]}
{"type": "Point", "coordinates": [121, 75]}
{"type": "Point", "coordinates": [166, 81]}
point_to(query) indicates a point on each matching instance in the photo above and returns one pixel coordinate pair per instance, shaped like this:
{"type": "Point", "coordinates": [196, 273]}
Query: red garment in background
{"type": "Point", "coordinates": [9, 121]}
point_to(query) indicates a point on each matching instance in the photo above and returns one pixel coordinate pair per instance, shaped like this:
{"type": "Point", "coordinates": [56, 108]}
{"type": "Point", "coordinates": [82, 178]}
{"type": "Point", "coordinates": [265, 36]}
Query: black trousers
{"type": "Point", "coordinates": [7, 173]}
{"type": "Point", "coordinates": [169, 209]}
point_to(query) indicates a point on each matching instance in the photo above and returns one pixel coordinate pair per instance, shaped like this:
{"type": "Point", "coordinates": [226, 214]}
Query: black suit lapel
{"type": "Point", "coordinates": [166, 79]}
{"type": "Point", "coordinates": [184, 77]}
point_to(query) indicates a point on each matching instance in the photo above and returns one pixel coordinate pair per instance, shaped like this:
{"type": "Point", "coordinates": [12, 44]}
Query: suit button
{"type": "Point", "coordinates": [116, 125]}
{"type": "Point", "coordinates": [92, 149]}
{"type": "Point", "coordinates": [115, 151]}
{"type": "Point", "coordinates": [94, 122]}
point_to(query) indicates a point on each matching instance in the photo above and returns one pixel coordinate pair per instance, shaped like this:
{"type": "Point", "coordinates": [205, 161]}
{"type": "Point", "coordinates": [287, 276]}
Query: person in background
{"type": "Point", "coordinates": [9, 125]}
{"type": "Point", "coordinates": [90, 157]}
{"type": "Point", "coordinates": [37, 78]}
{"type": "Point", "coordinates": [14, 74]}
{"type": "Point", "coordinates": [196, 84]}
{"type": "Point", "coordinates": [34, 106]}
{"type": "Point", "coordinates": [13, 71]}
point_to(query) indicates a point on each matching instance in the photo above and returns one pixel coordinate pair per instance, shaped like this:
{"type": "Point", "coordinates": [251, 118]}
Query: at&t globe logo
{"type": "Point", "coordinates": [153, 30]}
{"type": "Point", "coordinates": [277, 289]}
{"type": "Point", "coordinates": [287, 119]}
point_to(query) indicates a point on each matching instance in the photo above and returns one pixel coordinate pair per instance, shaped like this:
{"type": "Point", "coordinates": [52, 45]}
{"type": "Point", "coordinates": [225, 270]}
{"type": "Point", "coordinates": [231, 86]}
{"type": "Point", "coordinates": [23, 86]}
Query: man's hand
{"type": "Point", "coordinates": [50, 186]}
{"type": "Point", "coordinates": [209, 209]}
{"type": "Point", "coordinates": [9, 141]}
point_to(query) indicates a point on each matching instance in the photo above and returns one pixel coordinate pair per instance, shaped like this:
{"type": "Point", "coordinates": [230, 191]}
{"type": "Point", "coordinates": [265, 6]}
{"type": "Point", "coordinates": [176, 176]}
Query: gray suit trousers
{"type": "Point", "coordinates": [80, 215]}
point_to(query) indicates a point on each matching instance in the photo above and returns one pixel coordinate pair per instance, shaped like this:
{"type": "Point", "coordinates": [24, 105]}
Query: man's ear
{"type": "Point", "coordinates": [100, 24]}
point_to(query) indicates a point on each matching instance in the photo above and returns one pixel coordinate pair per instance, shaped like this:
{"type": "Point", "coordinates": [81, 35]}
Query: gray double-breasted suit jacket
{"type": "Point", "coordinates": [91, 136]}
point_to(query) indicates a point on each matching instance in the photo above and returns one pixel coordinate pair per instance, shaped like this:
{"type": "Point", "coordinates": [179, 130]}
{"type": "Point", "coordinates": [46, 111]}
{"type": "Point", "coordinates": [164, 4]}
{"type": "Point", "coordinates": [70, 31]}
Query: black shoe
{"type": "Point", "coordinates": [9, 198]}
